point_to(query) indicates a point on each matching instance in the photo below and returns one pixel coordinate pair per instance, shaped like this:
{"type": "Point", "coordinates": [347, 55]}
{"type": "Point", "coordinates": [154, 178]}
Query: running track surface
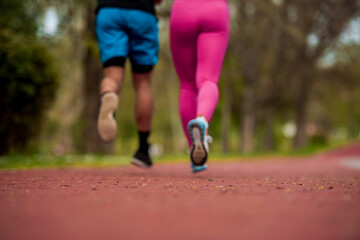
{"type": "Point", "coordinates": [311, 198]}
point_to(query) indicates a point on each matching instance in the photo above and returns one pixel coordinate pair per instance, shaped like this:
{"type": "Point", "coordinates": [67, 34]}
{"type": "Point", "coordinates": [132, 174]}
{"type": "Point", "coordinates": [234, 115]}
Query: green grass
{"type": "Point", "coordinates": [37, 161]}
{"type": "Point", "coordinates": [50, 161]}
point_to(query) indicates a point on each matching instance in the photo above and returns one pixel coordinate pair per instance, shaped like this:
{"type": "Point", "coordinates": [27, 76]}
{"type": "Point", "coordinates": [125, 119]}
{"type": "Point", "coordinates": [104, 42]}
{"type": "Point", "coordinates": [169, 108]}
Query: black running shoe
{"type": "Point", "coordinates": [142, 159]}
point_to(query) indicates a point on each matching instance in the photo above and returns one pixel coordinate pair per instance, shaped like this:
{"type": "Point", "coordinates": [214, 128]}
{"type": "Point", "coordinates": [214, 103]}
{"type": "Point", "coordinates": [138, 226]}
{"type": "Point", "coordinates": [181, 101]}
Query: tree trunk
{"type": "Point", "coordinates": [269, 119]}
{"type": "Point", "coordinates": [247, 143]}
{"type": "Point", "coordinates": [226, 116]}
{"type": "Point", "coordinates": [92, 142]}
{"type": "Point", "coordinates": [176, 132]}
{"type": "Point", "coordinates": [306, 71]}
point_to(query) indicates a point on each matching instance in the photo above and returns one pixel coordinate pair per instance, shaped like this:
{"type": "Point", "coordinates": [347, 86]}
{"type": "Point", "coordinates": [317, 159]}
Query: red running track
{"type": "Point", "coordinates": [312, 198]}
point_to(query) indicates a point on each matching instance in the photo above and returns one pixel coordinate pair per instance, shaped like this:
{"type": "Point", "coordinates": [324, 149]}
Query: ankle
{"type": "Point", "coordinates": [203, 119]}
{"type": "Point", "coordinates": [105, 93]}
{"type": "Point", "coordinates": [143, 141]}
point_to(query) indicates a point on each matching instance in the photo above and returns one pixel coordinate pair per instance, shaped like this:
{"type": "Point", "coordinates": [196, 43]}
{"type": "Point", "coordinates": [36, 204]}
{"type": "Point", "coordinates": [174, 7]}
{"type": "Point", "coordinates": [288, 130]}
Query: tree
{"type": "Point", "coordinates": [276, 56]}
{"type": "Point", "coordinates": [324, 20]}
{"type": "Point", "coordinates": [28, 79]}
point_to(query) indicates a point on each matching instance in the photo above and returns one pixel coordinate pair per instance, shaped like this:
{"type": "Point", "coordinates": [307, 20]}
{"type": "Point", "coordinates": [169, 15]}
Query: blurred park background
{"type": "Point", "coordinates": [290, 80]}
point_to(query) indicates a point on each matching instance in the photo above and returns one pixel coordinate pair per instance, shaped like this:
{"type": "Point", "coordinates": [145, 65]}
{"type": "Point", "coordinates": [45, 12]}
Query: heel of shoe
{"type": "Point", "coordinates": [106, 124]}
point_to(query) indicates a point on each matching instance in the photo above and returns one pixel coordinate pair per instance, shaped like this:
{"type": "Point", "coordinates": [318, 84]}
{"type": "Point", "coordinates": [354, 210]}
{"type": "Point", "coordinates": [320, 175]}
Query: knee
{"type": "Point", "coordinates": [142, 81]}
{"type": "Point", "coordinates": [188, 85]}
{"type": "Point", "coordinates": [205, 82]}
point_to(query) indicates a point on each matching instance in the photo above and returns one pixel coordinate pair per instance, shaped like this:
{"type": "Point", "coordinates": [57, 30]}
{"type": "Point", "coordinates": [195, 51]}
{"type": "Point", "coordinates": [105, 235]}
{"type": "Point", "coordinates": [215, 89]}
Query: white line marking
{"type": "Point", "coordinates": [353, 162]}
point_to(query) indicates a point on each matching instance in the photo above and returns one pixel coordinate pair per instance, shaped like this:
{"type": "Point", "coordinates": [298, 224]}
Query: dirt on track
{"type": "Point", "coordinates": [312, 198]}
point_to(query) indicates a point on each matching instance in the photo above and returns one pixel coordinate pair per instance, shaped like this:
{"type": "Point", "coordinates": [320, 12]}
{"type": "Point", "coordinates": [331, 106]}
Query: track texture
{"type": "Point", "coordinates": [309, 198]}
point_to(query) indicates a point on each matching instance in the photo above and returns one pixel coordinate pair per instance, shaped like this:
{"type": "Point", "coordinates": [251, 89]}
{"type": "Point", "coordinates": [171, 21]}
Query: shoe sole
{"type": "Point", "coordinates": [106, 122]}
{"type": "Point", "coordinates": [198, 152]}
{"type": "Point", "coordinates": [139, 163]}
{"type": "Point", "coordinates": [196, 169]}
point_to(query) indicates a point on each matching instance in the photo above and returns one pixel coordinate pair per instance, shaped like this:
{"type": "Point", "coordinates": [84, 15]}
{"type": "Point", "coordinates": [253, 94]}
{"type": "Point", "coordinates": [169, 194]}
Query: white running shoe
{"type": "Point", "coordinates": [197, 129]}
{"type": "Point", "coordinates": [106, 124]}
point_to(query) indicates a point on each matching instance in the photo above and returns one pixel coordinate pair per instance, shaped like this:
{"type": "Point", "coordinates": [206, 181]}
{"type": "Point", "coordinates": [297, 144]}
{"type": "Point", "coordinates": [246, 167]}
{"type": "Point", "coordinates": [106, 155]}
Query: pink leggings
{"type": "Point", "coordinates": [199, 34]}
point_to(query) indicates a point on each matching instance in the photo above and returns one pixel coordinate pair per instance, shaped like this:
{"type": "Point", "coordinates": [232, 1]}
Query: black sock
{"type": "Point", "coordinates": [143, 141]}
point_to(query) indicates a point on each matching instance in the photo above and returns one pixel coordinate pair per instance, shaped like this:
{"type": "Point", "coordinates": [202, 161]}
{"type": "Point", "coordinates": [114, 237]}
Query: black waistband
{"type": "Point", "coordinates": [144, 5]}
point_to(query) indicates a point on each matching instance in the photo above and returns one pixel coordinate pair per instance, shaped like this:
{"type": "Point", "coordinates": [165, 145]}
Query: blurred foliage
{"type": "Point", "coordinates": [15, 19]}
{"type": "Point", "coordinates": [276, 72]}
{"type": "Point", "coordinates": [28, 80]}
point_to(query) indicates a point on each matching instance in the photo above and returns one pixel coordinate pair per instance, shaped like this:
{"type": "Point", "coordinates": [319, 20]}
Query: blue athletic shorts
{"type": "Point", "coordinates": [123, 33]}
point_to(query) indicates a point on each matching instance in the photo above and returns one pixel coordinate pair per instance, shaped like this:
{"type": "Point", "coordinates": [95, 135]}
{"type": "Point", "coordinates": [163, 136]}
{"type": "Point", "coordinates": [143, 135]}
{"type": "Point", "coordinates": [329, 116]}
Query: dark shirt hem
{"type": "Point", "coordinates": [144, 5]}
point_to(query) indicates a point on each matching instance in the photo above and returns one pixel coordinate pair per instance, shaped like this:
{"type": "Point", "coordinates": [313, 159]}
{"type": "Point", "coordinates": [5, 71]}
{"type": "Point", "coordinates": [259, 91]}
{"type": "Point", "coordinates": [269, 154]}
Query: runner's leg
{"type": "Point", "coordinates": [211, 48]}
{"type": "Point", "coordinates": [183, 34]}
